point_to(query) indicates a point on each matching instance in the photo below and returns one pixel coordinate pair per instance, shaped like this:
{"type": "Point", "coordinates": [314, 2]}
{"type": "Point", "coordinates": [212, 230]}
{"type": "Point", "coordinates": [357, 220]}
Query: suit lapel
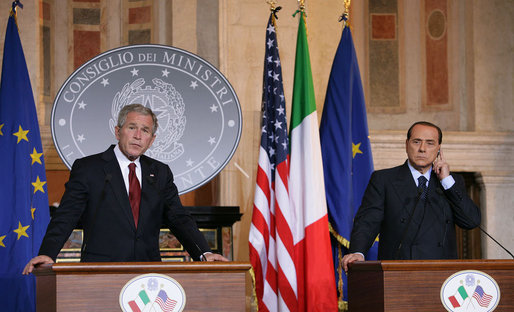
{"type": "Point", "coordinates": [117, 184]}
{"type": "Point", "coordinates": [404, 184]}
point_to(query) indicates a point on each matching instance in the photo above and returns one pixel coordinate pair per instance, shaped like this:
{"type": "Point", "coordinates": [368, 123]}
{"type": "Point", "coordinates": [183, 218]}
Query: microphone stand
{"type": "Point", "coordinates": [107, 180]}
{"type": "Point", "coordinates": [418, 197]}
{"type": "Point", "coordinates": [483, 231]}
{"type": "Point", "coordinates": [494, 240]}
{"type": "Point", "coordinates": [151, 180]}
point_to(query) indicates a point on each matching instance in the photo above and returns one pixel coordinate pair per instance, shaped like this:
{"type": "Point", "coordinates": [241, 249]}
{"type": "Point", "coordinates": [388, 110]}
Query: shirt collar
{"type": "Point", "coordinates": [122, 159]}
{"type": "Point", "coordinates": [416, 174]}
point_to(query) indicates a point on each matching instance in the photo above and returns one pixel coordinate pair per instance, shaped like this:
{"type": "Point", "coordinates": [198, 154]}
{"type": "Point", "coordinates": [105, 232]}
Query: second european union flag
{"type": "Point", "coordinates": [346, 150]}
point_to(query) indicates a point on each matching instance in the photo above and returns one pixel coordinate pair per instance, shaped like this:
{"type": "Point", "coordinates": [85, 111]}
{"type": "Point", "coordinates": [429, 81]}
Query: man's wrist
{"type": "Point", "coordinates": [448, 182]}
{"type": "Point", "coordinates": [360, 253]}
{"type": "Point", "coordinates": [203, 258]}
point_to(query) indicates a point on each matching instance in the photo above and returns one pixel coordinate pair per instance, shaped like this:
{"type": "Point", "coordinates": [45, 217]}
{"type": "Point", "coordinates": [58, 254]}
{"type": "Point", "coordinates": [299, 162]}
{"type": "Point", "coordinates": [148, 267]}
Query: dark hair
{"type": "Point", "coordinates": [426, 123]}
{"type": "Point", "coordinates": [137, 108]}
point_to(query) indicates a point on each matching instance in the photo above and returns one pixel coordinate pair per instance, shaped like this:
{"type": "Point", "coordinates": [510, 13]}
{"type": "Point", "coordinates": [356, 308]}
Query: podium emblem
{"type": "Point", "coordinates": [152, 292]}
{"type": "Point", "coordinates": [470, 290]}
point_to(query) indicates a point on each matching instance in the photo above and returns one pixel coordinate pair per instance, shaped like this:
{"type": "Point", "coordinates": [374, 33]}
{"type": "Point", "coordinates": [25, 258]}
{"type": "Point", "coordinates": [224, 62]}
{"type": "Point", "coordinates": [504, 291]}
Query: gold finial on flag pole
{"type": "Point", "coordinates": [301, 6]}
{"type": "Point", "coordinates": [345, 17]}
{"type": "Point", "coordinates": [272, 4]}
{"type": "Point", "coordinates": [274, 9]}
{"type": "Point", "coordinates": [14, 12]}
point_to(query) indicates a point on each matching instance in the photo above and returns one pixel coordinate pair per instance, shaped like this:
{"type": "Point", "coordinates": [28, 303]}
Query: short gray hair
{"type": "Point", "coordinates": [140, 109]}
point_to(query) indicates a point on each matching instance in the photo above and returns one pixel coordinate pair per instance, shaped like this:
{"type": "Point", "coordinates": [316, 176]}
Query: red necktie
{"type": "Point", "coordinates": [134, 192]}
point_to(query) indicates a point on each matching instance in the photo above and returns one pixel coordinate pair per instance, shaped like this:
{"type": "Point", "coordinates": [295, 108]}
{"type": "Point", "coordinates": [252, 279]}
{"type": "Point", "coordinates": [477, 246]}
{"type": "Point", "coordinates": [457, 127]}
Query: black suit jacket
{"type": "Point", "coordinates": [389, 201]}
{"type": "Point", "coordinates": [96, 195]}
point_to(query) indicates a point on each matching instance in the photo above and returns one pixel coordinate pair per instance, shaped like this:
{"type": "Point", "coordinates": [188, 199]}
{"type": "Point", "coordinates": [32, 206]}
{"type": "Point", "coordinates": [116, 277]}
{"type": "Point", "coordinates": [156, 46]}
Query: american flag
{"type": "Point", "coordinates": [481, 297]}
{"type": "Point", "coordinates": [166, 304]}
{"type": "Point", "coordinates": [271, 239]}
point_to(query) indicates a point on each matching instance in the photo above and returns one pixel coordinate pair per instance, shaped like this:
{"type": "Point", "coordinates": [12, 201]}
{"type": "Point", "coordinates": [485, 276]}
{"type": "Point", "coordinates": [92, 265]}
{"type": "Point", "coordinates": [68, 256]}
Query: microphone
{"type": "Point", "coordinates": [440, 193]}
{"type": "Point", "coordinates": [151, 180]}
{"type": "Point", "coordinates": [416, 201]}
{"type": "Point", "coordinates": [494, 240]}
{"type": "Point", "coordinates": [483, 231]}
{"type": "Point", "coordinates": [107, 180]}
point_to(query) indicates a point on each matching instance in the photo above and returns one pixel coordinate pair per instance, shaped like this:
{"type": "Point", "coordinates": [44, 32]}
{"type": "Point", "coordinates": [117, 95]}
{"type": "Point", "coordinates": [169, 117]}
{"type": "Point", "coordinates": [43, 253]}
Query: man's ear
{"type": "Point", "coordinates": [117, 132]}
{"type": "Point", "coordinates": [153, 139]}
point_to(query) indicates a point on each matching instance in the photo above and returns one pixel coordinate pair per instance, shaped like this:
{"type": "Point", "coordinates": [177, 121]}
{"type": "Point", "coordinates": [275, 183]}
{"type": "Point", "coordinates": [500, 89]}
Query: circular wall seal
{"type": "Point", "coordinates": [199, 114]}
{"type": "Point", "coordinates": [470, 290]}
{"type": "Point", "coordinates": [152, 292]}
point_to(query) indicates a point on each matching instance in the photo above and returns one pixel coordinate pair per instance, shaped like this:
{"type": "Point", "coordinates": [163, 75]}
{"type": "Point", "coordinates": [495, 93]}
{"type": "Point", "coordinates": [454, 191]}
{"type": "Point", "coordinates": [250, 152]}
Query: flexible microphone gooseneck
{"type": "Point", "coordinates": [151, 180]}
{"type": "Point", "coordinates": [440, 192]}
{"type": "Point", "coordinates": [107, 180]}
{"type": "Point", "coordinates": [494, 240]}
{"type": "Point", "coordinates": [418, 197]}
{"type": "Point", "coordinates": [484, 231]}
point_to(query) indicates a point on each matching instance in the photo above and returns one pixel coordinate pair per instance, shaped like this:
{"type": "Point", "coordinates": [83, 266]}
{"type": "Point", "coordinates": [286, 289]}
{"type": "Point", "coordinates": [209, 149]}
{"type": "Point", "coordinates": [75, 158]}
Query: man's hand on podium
{"type": "Point", "coordinates": [351, 258]}
{"type": "Point", "coordinates": [36, 261]}
{"type": "Point", "coordinates": [208, 256]}
{"type": "Point", "coordinates": [45, 259]}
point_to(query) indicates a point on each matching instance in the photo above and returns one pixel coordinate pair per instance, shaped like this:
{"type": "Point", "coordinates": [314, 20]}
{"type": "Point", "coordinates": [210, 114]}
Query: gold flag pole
{"type": "Point", "coordinates": [272, 4]}
{"type": "Point", "coordinates": [274, 9]}
{"type": "Point", "coordinates": [342, 305]}
{"type": "Point", "coordinates": [345, 18]}
{"type": "Point", "coordinates": [301, 9]}
{"type": "Point", "coordinates": [301, 6]}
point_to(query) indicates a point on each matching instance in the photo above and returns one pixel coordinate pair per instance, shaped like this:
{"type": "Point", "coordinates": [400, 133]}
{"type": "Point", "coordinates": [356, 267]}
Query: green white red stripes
{"type": "Point", "coordinates": [139, 303]}
{"type": "Point", "coordinates": [313, 255]}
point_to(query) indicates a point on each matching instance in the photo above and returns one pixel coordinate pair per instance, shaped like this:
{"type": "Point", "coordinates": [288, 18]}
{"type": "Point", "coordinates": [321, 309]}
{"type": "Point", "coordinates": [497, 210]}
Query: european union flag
{"type": "Point", "coordinates": [24, 212]}
{"type": "Point", "coordinates": [346, 152]}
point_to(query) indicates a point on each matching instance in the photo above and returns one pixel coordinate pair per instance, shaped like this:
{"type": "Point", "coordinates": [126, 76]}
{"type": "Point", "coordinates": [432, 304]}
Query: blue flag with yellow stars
{"type": "Point", "coordinates": [346, 152]}
{"type": "Point", "coordinates": [24, 212]}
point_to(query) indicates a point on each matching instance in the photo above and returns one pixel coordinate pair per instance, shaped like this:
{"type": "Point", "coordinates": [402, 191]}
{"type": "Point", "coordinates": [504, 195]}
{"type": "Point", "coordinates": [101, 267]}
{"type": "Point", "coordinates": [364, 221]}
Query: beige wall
{"type": "Point", "coordinates": [481, 66]}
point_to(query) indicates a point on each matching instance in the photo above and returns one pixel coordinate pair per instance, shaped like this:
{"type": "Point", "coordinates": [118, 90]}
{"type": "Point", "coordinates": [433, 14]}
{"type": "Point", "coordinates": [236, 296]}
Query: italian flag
{"type": "Point", "coordinates": [313, 255]}
{"type": "Point", "coordinates": [139, 304]}
{"type": "Point", "coordinates": [458, 299]}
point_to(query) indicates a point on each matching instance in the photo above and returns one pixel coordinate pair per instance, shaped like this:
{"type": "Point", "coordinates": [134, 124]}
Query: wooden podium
{"type": "Point", "coordinates": [209, 286]}
{"type": "Point", "coordinates": [415, 285]}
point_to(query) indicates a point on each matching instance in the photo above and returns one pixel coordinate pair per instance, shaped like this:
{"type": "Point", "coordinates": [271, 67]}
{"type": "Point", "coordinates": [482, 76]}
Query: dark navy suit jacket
{"type": "Point", "coordinates": [386, 207]}
{"type": "Point", "coordinates": [96, 195]}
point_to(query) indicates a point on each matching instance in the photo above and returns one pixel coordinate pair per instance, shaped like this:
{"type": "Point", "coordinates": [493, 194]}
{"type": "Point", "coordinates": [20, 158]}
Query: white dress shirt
{"type": "Point", "coordinates": [124, 162]}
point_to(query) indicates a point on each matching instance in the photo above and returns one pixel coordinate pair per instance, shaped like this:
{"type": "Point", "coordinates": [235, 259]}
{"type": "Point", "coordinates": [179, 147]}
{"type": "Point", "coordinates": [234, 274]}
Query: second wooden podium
{"type": "Point", "coordinates": [416, 285]}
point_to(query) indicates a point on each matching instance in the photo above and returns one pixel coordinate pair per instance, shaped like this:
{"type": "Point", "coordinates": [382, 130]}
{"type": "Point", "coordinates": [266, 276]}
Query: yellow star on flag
{"type": "Point", "coordinates": [355, 149]}
{"type": "Point", "coordinates": [2, 241]}
{"type": "Point", "coordinates": [32, 210]}
{"type": "Point", "coordinates": [36, 157]}
{"type": "Point", "coordinates": [38, 185]}
{"type": "Point", "coordinates": [21, 230]}
{"type": "Point", "coordinates": [21, 135]}
{"type": "Point", "coordinates": [1, 126]}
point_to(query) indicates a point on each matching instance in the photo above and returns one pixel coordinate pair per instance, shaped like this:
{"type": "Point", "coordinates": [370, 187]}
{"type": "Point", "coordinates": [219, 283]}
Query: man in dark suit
{"type": "Point", "coordinates": [122, 198]}
{"type": "Point", "coordinates": [414, 207]}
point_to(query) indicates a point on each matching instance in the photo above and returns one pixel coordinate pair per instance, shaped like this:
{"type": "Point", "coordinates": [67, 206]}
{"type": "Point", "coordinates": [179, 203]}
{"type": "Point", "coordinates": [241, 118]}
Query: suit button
{"type": "Point", "coordinates": [439, 244]}
{"type": "Point", "coordinates": [402, 220]}
{"type": "Point", "coordinates": [448, 222]}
